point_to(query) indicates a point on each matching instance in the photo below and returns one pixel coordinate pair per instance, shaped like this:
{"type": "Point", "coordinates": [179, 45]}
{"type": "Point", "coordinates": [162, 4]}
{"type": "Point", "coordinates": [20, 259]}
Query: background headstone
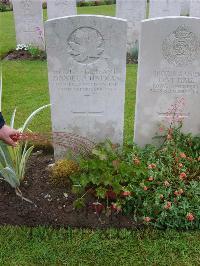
{"type": "Point", "coordinates": [133, 11]}
{"type": "Point", "coordinates": [163, 8]}
{"type": "Point", "coordinates": [61, 8]}
{"type": "Point", "coordinates": [87, 70]}
{"type": "Point", "coordinates": [169, 73]}
{"type": "Point", "coordinates": [195, 8]}
{"type": "Point", "coordinates": [29, 22]}
{"type": "Point", "coordinates": [185, 7]}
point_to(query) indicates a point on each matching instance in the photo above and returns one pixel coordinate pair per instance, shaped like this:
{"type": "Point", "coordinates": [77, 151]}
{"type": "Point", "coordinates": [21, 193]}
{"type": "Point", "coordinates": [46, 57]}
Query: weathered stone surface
{"type": "Point", "coordinates": [164, 8]}
{"type": "Point", "coordinates": [185, 7]}
{"type": "Point", "coordinates": [133, 11]}
{"type": "Point", "coordinates": [195, 8]}
{"type": "Point", "coordinates": [168, 76]}
{"type": "Point", "coordinates": [61, 8]}
{"type": "Point", "coordinates": [87, 69]}
{"type": "Point", "coordinates": [29, 22]}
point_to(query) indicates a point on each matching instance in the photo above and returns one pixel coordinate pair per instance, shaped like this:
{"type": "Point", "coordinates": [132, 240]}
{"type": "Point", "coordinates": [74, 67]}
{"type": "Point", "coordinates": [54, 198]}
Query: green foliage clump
{"type": "Point", "coordinates": [5, 5]}
{"type": "Point", "coordinates": [157, 186]}
{"type": "Point", "coordinates": [96, 3]}
{"type": "Point", "coordinates": [35, 52]}
{"type": "Point", "coordinates": [62, 170]}
{"type": "Point", "coordinates": [169, 194]}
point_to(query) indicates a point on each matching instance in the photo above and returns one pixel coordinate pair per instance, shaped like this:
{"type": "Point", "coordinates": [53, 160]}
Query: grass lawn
{"type": "Point", "coordinates": [40, 246]}
{"type": "Point", "coordinates": [7, 30]}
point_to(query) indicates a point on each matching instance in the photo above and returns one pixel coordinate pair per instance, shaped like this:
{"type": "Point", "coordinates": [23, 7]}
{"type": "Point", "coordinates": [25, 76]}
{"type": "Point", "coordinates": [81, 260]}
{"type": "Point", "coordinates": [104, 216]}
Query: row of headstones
{"type": "Point", "coordinates": [29, 18]}
{"type": "Point", "coordinates": [87, 71]}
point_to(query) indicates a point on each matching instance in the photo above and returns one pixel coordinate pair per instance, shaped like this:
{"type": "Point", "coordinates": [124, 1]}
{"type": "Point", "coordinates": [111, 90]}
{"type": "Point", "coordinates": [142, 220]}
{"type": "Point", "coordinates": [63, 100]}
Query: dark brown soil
{"type": "Point", "coordinates": [23, 55]}
{"type": "Point", "coordinates": [51, 208]}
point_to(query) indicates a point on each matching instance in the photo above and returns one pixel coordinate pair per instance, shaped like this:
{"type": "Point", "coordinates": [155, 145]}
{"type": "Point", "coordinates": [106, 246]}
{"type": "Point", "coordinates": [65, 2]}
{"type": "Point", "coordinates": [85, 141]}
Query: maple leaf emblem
{"type": "Point", "coordinates": [86, 45]}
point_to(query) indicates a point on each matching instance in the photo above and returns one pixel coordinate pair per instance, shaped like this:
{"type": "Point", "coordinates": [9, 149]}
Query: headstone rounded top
{"type": "Point", "coordinates": [84, 16]}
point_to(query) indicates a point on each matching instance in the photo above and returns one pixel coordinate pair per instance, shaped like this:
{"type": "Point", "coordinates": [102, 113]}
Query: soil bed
{"type": "Point", "coordinates": [51, 208]}
{"type": "Point", "coordinates": [23, 55]}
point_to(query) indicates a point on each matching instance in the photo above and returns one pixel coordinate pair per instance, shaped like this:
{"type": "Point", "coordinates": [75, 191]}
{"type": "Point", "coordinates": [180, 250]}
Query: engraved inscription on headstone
{"type": "Point", "coordinates": [61, 8]}
{"type": "Point", "coordinates": [181, 47]}
{"type": "Point", "coordinates": [86, 45]}
{"type": "Point", "coordinates": [169, 70]}
{"type": "Point", "coordinates": [86, 68]}
{"type": "Point", "coordinates": [29, 22]}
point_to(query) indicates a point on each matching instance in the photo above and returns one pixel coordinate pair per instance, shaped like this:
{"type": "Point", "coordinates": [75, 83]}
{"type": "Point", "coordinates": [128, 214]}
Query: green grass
{"type": "Point", "coordinates": [25, 87]}
{"type": "Point", "coordinates": [40, 246]}
{"type": "Point", "coordinates": [7, 30]}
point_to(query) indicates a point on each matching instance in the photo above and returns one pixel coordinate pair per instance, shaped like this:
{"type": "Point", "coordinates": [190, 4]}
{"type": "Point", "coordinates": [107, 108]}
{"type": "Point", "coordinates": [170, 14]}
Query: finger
{"type": "Point", "coordinates": [14, 131]}
{"type": "Point", "coordinates": [10, 142]}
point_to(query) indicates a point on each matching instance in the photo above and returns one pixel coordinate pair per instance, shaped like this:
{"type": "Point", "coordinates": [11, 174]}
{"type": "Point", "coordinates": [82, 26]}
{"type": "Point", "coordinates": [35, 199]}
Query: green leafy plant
{"type": "Point", "coordinates": [35, 51]}
{"type": "Point", "coordinates": [152, 185]}
{"type": "Point", "coordinates": [13, 159]}
{"type": "Point", "coordinates": [169, 194]}
{"type": "Point", "coordinates": [106, 174]}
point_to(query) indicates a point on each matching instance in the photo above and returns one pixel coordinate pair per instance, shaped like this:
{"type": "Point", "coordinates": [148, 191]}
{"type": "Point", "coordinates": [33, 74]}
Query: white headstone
{"type": "Point", "coordinates": [61, 8]}
{"type": "Point", "coordinates": [195, 8]}
{"type": "Point", "coordinates": [185, 7]}
{"type": "Point", "coordinates": [29, 22]}
{"type": "Point", "coordinates": [87, 71]}
{"type": "Point", "coordinates": [163, 8]}
{"type": "Point", "coordinates": [133, 11]}
{"type": "Point", "coordinates": [168, 76]}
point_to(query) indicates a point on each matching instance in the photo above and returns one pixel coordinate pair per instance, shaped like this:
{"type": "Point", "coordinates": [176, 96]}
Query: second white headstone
{"type": "Point", "coordinates": [168, 76]}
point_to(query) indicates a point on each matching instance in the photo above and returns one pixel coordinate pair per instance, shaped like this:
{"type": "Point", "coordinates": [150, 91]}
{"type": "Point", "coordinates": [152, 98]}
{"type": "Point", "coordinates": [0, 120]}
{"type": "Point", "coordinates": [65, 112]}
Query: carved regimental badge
{"type": "Point", "coordinates": [86, 45]}
{"type": "Point", "coordinates": [181, 47]}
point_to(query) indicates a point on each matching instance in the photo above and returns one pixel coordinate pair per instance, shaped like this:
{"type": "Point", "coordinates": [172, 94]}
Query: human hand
{"type": "Point", "coordinates": [5, 134]}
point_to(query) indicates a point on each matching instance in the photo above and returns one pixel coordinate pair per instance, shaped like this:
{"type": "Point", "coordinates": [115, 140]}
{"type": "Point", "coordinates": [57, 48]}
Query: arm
{"type": "Point", "coordinates": [6, 132]}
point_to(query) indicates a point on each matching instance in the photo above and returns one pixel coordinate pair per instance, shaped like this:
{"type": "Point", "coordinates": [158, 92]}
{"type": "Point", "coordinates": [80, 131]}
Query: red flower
{"type": "Point", "coordinates": [116, 207]}
{"type": "Point", "coordinates": [152, 166]}
{"type": "Point", "coordinates": [97, 207]}
{"type": "Point", "coordinates": [151, 178]}
{"type": "Point", "coordinates": [168, 205]}
{"type": "Point", "coordinates": [176, 193]}
{"type": "Point", "coordinates": [126, 193]}
{"type": "Point", "coordinates": [180, 165]}
{"type": "Point", "coordinates": [147, 219]}
{"type": "Point", "coordinates": [182, 155]}
{"type": "Point", "coordinates": [136, 161]}
{"type": "Point", "coordinates": [182, 176]}
{"type": "Point", "coordinates": [190, 217]}
{"type": "Point", "coordinates": [145, 188]}
{"type": "Point", "coordinates": [110, 194]}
